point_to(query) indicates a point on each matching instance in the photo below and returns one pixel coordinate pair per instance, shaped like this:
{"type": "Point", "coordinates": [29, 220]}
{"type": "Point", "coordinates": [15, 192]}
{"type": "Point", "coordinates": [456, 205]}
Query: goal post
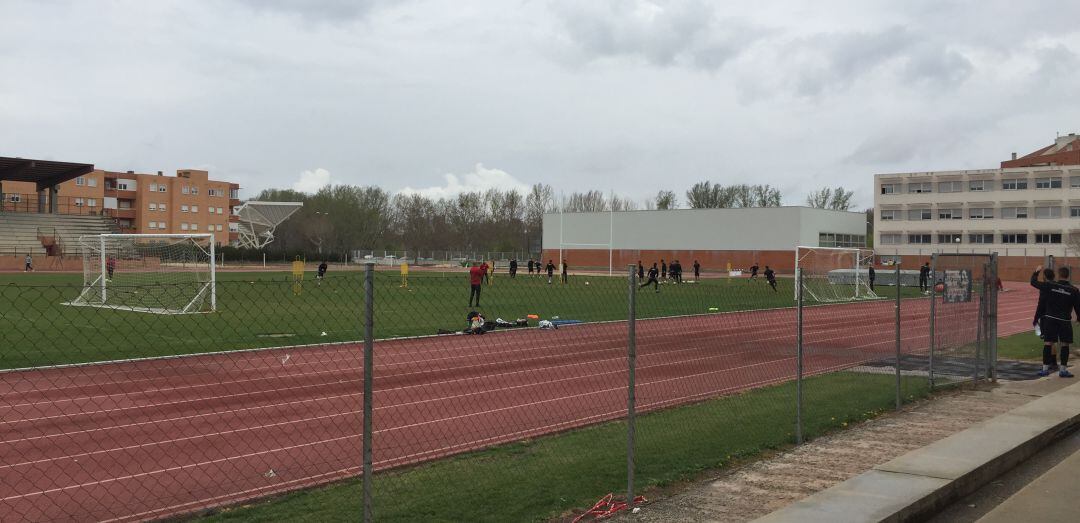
{"type": "Point", "coordinates": [153, 273]}
{"type": "Point", "coordinates": [834, 274]}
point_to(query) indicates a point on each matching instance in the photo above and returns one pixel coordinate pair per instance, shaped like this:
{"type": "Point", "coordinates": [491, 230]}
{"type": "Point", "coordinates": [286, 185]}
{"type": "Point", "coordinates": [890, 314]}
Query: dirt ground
{"type": "Point", "coordinates": [754, 490]}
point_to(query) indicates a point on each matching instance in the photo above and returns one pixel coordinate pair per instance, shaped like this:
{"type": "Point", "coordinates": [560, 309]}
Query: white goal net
{"type": "Point", "coordinates": [832, 274]}
{"type": "Point", "coordinates": [155, 273]}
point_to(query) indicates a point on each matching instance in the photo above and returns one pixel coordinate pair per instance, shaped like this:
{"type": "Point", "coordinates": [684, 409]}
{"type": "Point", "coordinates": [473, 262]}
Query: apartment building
{"type": "Point", "coordinates": [1029, 206]}
{"type": "Point", "coordinates": [189, 202]}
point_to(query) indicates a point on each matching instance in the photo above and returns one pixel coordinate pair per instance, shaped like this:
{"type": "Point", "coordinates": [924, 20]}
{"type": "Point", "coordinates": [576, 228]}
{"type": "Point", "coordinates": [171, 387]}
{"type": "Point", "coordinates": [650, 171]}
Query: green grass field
{"type": "Point", "coordinates": [540, 479]}
{"type": "Point", "coordinates": [1021, 346]}
{"type": "Point", "coordinates": [260, 309]}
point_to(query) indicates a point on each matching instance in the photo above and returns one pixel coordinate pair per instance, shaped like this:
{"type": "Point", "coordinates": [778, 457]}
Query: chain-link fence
{"type": "Point", "coordinates": [532, 399]}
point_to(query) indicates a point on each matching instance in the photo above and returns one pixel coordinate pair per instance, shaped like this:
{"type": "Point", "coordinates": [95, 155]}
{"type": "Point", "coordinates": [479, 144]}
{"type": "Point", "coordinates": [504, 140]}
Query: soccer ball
{"type": "Point", "coordinates": [586, 283]}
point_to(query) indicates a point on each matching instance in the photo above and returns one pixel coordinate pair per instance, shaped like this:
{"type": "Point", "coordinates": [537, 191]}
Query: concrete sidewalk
{"type": "Point", "coordinates": [923, 481]}
{"type": "Point", "coordinates": [1050, 497]}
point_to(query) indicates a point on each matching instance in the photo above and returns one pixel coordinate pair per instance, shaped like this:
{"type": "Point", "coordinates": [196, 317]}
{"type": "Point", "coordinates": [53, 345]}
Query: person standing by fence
{"type": "Point", "coordinates": [476, 280]}
{"type": "Point", "coordinates": [513, 268]}
{"type": "Point", "coordinates": [1040, 309]}
{"type": "Point", "coordinates": [530, 266]}
{"type": "Point", "coordinates": [870, 270]}
{"type": "Point", "coordinates": [697, 271]}
{"type": "Point", "coordinates": [564, 269]}
{"type": "Point", "coordinates": [640, 271]}
{"type": "Point", "coordinates": [924, 276]}
{"type": "Point", "coordinates": [1062, 300]}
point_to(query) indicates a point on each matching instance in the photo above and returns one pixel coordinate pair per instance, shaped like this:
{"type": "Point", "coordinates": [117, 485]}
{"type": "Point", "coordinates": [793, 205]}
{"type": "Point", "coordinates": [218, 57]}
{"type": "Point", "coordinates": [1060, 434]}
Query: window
{"type": "Point", "coordinates": [888, 215]}
{"type": "Point", "coordinates": [1053, 237]}
{"type": "Point", "coordinates": [1048, 212]}
{"type": "Point", "coordinates": [219, 227]}
{"type": "Point", "coordinates": [980, 238]}
{"type": "Point", "coordinates": [981, 213]}
{"type": "Point", "coordinates": [220, 210]}
{"type": "Point", "coordinates": [153, 187]}
{"type": "Point", "coordinates": [183, 226]}
{"type": "Point", "coordinates": [234, 194]}
{"type": "Point", "coordinates": [194, 226]}
{"type": "Point", "coordinates": [1013, 185]}
{"type": "Point", "coordinates": [950, 214]}
{"type": "Point", "coordinates": [1047, 183]}
{"type": "Point", "coordinates": [952, 237]}
{"type": "Point", "coordinates": [920, 187]}
{"type": "Point", "coordinates": [91, 182]}
{"type": "Point", "coordinates": [980, 185]}
{"type": "Point", "coordinates": [1014, 213]}
{"type": "Point", "coordinates": [14, 198]}
{"type": "Point", "coordinates": [918, 238]}
{"type": "Point", "coordinates": [828, 239]}
{"type": "Point", "coordinates": [235, 227]}
{"type": "Point", "coordinates": [79, 202]}
{"type": "Point", "coordinates": [194, 189]}
{"type": "Point", "coordinates": [122, 185]}
{"type": "Point", "coordinates": [194, 208]}
{"type": "Point", "coordinates": [162, 188]}
{"type": "Point", "coordinates": [153, 206]}
{"type": "Point", "coordinates": [1013, 238]}
{"type": "Point", "coordinates": [161, 206]}
{"type": "Point", "coordinates": [161, 225]}
{"type": "Point", "coordinates": [1074, 212]}
{"type": "Point", "coordinates": [184, 189]}
{"type": "Point", "coordinates": [152, 225]}
{"type": "Point", "coordinates": [80, 181]}
{"type": "Point", "coordinates": [123, 204]}
{"type": "Point", "coordinates": [91, 202]}
{"type": "Point", "coordinates": [919, 214]}
{"type": "Point", "coordinates": [956, 186]}
{"type": "Point", "coordinates": [1074, 181]}
{"type": "Point", "coordinates": [183, 208]}
{"type": "Point", "coordinates": [216, 192]}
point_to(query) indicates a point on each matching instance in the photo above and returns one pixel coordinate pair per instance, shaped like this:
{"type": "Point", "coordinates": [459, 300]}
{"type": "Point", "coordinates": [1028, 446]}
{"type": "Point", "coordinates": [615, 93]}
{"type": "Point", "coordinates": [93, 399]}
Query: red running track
{"type": "Point", "coordinates": [147, 439]}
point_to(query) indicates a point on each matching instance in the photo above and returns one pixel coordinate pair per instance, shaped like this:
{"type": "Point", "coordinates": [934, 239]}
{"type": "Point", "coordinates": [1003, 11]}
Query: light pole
{"type": "Point", "coordinates": [956, 240]}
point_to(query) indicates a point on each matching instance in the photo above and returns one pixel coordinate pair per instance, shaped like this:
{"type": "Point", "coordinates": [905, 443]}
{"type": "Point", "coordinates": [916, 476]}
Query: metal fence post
{"type": "Point", "coordinates": [933, 293]}
{"type": "Point", "coordinates": [369, 371]}
{"type": "Point", "coordinates": [798, 356]}
{"type": "Point", "coordinates": [631, 361]}
{"type": "Point", "coordinates": [992, 319]}
{"type": "Point", "coordinates": [898, 396]}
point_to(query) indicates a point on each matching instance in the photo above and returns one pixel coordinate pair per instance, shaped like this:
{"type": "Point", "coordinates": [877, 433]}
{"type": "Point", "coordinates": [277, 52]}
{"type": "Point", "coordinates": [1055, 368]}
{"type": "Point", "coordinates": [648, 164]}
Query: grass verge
{"type": "Point", "coordinates": [1022, 346]}
{"type": "Point", "coordinates": [542, 478]}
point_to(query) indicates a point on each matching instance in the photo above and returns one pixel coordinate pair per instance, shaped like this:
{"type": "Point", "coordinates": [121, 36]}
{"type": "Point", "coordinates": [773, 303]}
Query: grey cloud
{"type": "Point", "coordinates": [315, 10]}
{"type": "Point", "coordinates": [690, 33]}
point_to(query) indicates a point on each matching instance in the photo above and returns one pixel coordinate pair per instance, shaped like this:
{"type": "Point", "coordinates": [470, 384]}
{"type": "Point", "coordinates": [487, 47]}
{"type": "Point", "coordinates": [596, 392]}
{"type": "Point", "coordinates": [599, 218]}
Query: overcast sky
{"type": "Point", "coordinates": [631, 96]}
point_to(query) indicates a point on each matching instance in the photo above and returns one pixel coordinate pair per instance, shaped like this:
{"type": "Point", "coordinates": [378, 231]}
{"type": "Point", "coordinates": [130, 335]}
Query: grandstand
{"type": "Point", "coordinates": [46, 235]}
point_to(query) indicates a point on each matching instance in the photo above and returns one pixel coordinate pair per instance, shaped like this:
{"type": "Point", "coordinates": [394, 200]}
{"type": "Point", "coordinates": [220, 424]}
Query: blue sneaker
{"type": "Point", "coordinates": [1044, 373]}
{"type": "Point", "coordinates": [1065, 374]}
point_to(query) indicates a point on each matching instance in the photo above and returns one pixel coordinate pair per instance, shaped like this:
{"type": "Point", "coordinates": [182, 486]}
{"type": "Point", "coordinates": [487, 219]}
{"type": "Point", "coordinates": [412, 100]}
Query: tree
{"type": "Point", "coordinates": [704, 195]}
{"type": "Point", "coordinates": [666, 200]}
{"type": "Point", "coordinates": [591, 201]}
{"type": "Point", "coordinates": [825, 198]}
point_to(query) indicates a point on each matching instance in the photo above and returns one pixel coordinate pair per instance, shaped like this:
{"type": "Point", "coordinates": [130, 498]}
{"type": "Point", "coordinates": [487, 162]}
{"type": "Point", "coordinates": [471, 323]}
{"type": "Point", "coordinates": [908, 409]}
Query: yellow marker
{"type": "Point", "coordinates": [729, 266]}
{"type": "Point", "coordinates": [491, 273]}
{"type": "Point", "coordinates": [298, 276]}
{"type": "Point", "coordinates": [404, 274]}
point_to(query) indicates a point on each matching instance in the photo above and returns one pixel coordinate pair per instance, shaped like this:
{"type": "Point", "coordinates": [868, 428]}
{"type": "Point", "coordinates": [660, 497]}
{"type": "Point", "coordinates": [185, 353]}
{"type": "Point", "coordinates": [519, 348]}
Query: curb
{"type": "Point", "coordinates": [923, 481]}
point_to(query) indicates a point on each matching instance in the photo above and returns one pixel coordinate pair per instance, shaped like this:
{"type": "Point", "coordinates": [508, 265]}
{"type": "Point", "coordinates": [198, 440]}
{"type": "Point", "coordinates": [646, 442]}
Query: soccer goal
{"type": "Point", "coordinates": [154, 273]}
{"type": "Point", "coordinates": [832, 274]}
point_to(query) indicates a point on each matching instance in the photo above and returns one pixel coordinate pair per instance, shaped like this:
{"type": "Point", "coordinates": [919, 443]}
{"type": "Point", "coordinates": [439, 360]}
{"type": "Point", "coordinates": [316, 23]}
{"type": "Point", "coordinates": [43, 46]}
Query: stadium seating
{"type": "Point", "coordinates": [47, 234]}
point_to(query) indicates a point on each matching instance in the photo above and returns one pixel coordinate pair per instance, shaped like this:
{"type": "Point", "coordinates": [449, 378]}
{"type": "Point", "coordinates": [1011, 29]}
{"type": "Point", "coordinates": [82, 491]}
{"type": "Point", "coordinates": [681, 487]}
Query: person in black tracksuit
{"type": "Point", "coordinates": [1040, 309]}
{"type": "Point", "coordinates": [770, 276]}
{"type": "Point", "coordinates": [640, 271]}
{"type": "Point", "coordinates": [513, 268]}
{"type": "Point", "coordinates": [550, 270]}
{"type": "Point", "coordinates": [663, 270]}
{"type": "Point", "coordinates": [753, 271]}
{"type": "Point", "coordinates": [653, 272]}
{"type": "Point", "coordinates": [871, 271]}
{"type": "Point", "coordinates": [1061, 301]}
{"type": "Point", "coordinates": [697, 270]}
{"type": "Point", "coordinates": [530, 265]}
{"type": "Point", "coordinates": [924, 276]}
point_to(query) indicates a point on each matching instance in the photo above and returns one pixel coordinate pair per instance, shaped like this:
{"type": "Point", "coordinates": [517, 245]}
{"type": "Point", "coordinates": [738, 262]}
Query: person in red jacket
{"type": "Point", "coordinates": [476, 278]}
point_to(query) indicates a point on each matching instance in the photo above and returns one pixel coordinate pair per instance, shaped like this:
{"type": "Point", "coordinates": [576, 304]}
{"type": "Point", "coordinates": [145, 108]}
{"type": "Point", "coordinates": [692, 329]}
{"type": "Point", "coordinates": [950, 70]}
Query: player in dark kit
{"type": "Point", "coordinates": [924, 276]}
{"type": "Point", "coordinates": [697, 270]}
{"type": "Point", "coordinates": [530, 265]}
{"type": "Point", "coordinates": [770, 276]}
{"type": "Point", "coordinates": [652, 279]}
{"type": "Point", "coordinates": [550, 270]}
{"type": "Point", "coordinates": [1062, 300]}
{"type": "Point", "coordinates": [753, 271]}
{"type": "Point", "coordinates": [1040, 309]}
{"type": "Point", "coordinates": [871, 271]}
{"type": "Point", "coordinates": [321, 274]}
{"type": "Point", "coordinates": [640, 271]}
{"type": "Point", "coordinates": [564, 269]}
{"type": "Point", "coordinates": [663, 270]}
{"type": "Point", "coordinates": [513, 268]}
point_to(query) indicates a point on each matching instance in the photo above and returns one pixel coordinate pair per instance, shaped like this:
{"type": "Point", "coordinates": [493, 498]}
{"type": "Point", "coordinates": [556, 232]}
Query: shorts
{"type": "Point", "coordinates": [1055, 330]}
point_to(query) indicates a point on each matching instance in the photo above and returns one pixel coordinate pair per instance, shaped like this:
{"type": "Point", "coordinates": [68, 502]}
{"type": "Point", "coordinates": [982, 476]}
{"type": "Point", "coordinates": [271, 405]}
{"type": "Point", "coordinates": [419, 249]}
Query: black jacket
{"type": "Point", "coordinates": [1061, 298]}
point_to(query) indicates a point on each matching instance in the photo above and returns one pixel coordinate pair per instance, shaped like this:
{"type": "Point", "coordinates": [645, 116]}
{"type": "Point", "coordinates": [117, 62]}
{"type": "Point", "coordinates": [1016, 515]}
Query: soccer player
{"type": "Point", "coordinates": [871, 271]}
{"type": "Point", "coordinates": [564, 268]}
{"type": "Point", "coordinates": [924, 276]}
{"type": "Point", "coordinates": [640, 271]}
{"type": "Point", "coordinates": [110, 267]}
{"type": "Point", "coordinates": [753, 271]}
{"type": "Point", "coordinates": [321, 274]}
{"type": "Point", "coordinates": [29, 263]}
{"type": "Point", "coordinates": [676, 271]}
{"type": "Point", "coordinates": [513, 268]}
{"type": "Point", "coordinates": [697, 271]}
{"type": "Point", "coordinates": [663, 270]}
{"type": "Point", "coordinates": [530, 266]}
{"type": "Point", "coordinates": [476, 279]}
{"type": "Point", "coordinates": [550, 271]}
{"type": "Point", "coordinates": [1062, 300]}
{"type": "Point", "coordinates": [652, 278]}
{"type": "Point", "coordinates": [770, 276]}
{"type": "Point", "coordinates": [487, 269]}
{"type": "Point", "coordinates": [1040, 309]}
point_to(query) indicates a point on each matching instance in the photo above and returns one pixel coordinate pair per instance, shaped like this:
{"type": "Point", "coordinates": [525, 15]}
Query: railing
{"type": "Point", "coordinates": [32, 203]}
